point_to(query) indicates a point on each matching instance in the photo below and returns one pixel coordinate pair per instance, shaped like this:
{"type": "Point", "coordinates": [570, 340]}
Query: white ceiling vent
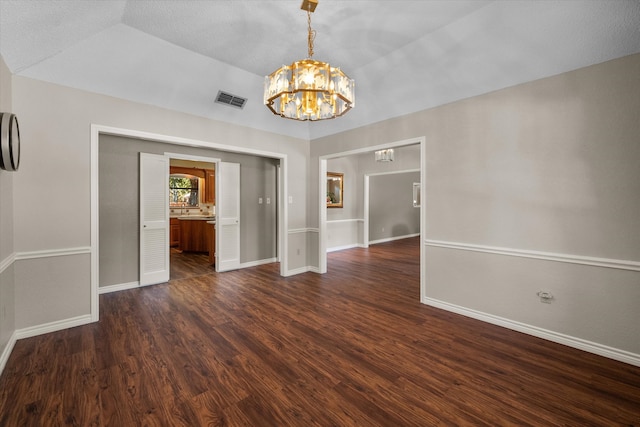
{"type": "Point", "coordinates": [232, 100]}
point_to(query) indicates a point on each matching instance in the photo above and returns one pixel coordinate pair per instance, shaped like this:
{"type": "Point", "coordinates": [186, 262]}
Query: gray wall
{"type": "Point", "coordinates": [391, 211]}
{"type": "Point", "coordinates": [7, 289]}
{"type": "Point", "coordinates": [356, 166]}
{"type": "Point", "coordinates": [55, 125]}
{"type": "Point", "coordinates": [549, 166]}
{"type": "Point", "coordinates": [119, 204]}
{"type": "Point", "coordinates": [387, 206]}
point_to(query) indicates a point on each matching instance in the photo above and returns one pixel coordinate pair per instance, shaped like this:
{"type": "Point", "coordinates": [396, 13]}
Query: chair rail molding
{"type": "Point", "coordinates": [549, 256]}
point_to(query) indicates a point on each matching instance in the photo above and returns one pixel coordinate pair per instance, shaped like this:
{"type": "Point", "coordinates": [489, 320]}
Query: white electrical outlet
{"type": "Point", "coordinates": [268, 200]}
{"type": "Point", "coordinates": [259, 200]}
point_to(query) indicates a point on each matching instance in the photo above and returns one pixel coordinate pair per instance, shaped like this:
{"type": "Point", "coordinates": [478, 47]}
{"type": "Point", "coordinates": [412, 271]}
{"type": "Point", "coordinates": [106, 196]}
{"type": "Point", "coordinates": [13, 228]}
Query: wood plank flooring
{"type": "Point", "coordinates": [353, 347]}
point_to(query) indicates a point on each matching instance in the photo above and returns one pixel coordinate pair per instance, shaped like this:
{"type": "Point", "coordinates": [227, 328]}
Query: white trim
{"type": "Point", "coordinates": [323, 236]}
{"type": "Point", "coordinates": [4, 357]}
{"type": "Point", "coordinates": [336, 221]}
{"type": "Point", "coordinates": [53, 326]}
{"type": "Point", "coordinates": [303, 230]}
{"type": "Point", "coordinates": [119, 287]}
{"type": "Point", "coordinates": [365, 209]}
{"type": "Point", "coordinates": [341, 248]}
{"type": "Point", "coordinates": [423, 215]}
{"type": "Point", "coordinates": [258, 262]}
{"type": "Point", "coordinates": [372, 148]}
{"type": "Point", "coordinates": [589, 346]}
{"type": "Point", "coordinates": [201, 159]}
{"type": "Point", "coordinates": [52, 253]}
{"type": "Point", "coordinates": [6, 263]}
{"type": "Point", "coordinates": [394, 172]}
{"type": "Point", "coordinates": [391, 239]}
{"type": "Point", "coordinates": [301, 270]}
{"type": "Point", "coordinates": [549, 256]}
{"type": "Point", "coordinates": [95, 221]}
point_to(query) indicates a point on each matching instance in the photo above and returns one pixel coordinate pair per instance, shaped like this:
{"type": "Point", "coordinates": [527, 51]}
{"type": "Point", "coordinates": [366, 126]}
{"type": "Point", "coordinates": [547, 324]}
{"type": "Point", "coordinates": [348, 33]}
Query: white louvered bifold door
{"type": "Point", "coordinates": [154, 219]}
{"type": "Point", "coordinates": [228, 217]}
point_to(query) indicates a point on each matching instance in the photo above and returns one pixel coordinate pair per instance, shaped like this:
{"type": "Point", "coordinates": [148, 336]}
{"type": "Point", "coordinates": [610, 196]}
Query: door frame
{"type": "Point", "coordinates": [322, 205]}
{"type": "Point", "coordinates": [366, 208]}
{"type": "Point", "coordinates": [202, 159]}
{"type": "Point", "coordinates": [97, 130]}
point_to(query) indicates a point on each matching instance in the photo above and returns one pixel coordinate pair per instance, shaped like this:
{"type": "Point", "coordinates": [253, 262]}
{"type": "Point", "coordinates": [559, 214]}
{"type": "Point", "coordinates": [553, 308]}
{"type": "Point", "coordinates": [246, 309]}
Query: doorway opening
{"type": "Point", "coordinates": [192, 216]}
{"type": "Point", "coordinates": [115, 224]}
{"type": "Point", "coordinates": [358, 165]}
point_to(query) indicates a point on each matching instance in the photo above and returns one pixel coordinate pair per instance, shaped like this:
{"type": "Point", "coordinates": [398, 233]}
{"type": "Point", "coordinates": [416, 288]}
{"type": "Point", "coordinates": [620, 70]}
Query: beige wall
{"type": "Point", "coordinates": [551, 167]}
{"type": "Point", "coordinates": [7, 289]}
{"type": "Point", "coordinates": [6, 178]}
{"type": "Point", "coordinates": [52, 211]}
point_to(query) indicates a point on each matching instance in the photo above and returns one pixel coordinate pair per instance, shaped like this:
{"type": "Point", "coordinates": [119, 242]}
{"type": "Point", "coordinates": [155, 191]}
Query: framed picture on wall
{"type": "Point", "coordinates": [334, 189]}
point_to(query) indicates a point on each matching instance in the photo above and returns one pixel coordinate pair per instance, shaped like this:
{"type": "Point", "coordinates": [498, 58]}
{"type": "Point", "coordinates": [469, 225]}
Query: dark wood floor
{"type": "Point", "coordinates": [353, 347]}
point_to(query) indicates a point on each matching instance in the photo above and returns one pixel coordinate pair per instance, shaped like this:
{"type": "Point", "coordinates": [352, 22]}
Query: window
{"type": "Point", "coordinates": [183, 190]}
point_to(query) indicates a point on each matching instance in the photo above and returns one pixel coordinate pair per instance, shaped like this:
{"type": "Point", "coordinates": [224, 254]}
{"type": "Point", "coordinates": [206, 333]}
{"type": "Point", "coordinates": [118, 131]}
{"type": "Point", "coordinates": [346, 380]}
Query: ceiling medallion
{"type": "Point", "coordinates": [309, 89]}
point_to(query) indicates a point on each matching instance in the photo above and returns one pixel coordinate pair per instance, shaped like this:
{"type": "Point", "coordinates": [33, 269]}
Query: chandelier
{"type": "Point", "coordinates": [309, 89]}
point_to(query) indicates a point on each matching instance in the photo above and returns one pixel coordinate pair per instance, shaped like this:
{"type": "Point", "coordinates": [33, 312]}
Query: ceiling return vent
{"type": "Point", "coordinates": [228, 99]}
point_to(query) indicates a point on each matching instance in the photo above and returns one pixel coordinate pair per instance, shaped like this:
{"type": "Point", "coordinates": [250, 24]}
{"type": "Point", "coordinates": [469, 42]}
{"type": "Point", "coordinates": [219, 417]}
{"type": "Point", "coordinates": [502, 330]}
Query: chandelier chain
{"type": "Point", "coordinates": [312, 35]}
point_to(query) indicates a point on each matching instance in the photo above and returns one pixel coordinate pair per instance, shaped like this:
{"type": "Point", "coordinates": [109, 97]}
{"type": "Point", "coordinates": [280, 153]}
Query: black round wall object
{"type": "Point", "coordinates": [9, 142]}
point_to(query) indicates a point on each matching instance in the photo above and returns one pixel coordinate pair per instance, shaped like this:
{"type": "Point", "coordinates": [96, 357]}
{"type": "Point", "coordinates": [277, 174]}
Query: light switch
{"type": "Point", "coordinates": [268, 200]}
{"type": "Point", "coordinates": [259, 200]}
{"type": "Point", "coordinates": [290, 199]}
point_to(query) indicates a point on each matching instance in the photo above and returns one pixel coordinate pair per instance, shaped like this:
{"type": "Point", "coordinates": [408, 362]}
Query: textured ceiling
{"type": "Point", "coordinates": [404, 55]}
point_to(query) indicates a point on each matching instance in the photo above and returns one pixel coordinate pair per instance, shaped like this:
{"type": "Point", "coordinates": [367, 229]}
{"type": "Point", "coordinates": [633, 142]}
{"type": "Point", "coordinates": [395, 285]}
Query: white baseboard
{"type": "Point", "coordinates": [59, 325]}
{"type": "Point", "coordinates": [588, 346]}
{"type": "Point", "coordinates": [391, 239]}
{"type": "Point", "coordinates": [116, 288]}
{"type": "Point", "coordinates": [258, 262]}
{"type": "Point", "coordinates": [341, 248]}
{"type": "Point", "coordinates": [4, 357]}
{"type": "Point", "coordinates": [300, 270]}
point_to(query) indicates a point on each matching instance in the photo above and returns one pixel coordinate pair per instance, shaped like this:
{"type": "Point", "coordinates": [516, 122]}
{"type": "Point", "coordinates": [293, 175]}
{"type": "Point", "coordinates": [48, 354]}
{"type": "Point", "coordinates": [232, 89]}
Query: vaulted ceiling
{"type": "Point", "coordinates": [405, 56]}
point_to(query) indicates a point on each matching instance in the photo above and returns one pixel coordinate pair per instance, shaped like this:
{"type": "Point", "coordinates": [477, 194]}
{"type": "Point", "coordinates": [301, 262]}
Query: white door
{"type": "Point", "coordinates": [154, 219]}
{"type": "Point", "coordinates": [227, 216]}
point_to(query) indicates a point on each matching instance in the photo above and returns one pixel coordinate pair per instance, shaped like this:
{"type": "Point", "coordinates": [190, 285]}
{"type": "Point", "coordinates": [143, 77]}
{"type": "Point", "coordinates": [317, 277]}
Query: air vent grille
{"type": "Point", "coordinates": [232, 100]}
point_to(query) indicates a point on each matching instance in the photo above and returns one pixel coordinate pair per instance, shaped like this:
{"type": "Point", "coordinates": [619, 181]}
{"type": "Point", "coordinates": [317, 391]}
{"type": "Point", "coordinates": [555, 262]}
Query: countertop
{"type": "Point", "coordinates": [196, 217]}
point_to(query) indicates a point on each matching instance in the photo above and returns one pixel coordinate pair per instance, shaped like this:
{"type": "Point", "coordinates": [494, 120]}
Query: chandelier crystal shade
{"type": "Point", "coordinates": [384, 155]}
{"type": "Point", "coordinates": [309, 89]}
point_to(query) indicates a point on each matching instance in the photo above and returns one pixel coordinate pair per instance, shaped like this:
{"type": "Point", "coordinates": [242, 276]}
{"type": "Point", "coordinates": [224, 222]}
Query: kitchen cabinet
{"type": "Point", "coordinates": [209, 186]}
{"type": "Point", "coordinates": [193, 235]}
{"type": "Point", "coordinates": [174, 232]}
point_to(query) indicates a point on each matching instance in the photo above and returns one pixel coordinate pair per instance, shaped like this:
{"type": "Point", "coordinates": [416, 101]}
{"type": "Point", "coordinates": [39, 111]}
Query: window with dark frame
{"type": "Point", "coordinates": [183, 191]}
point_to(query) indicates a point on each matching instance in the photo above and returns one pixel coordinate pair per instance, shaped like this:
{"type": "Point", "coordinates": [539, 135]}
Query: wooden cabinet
{"type": "Point", "coordinates": [209, 186]}
{"type": "Point", "coordinates": [193, 235]}
{"type": "Point", "coordinates": [174, 232]}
